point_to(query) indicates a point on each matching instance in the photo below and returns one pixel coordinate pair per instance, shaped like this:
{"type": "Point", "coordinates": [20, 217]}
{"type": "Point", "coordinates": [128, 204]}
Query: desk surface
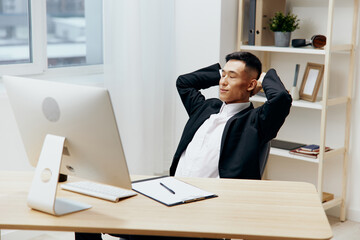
{"type": "Point", "coordinates": [244, 209]}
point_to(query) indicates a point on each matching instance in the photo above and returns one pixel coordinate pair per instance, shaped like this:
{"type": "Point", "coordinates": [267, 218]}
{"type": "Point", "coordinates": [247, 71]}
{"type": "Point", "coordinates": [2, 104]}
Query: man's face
{"type": "Point", "coordinates": [236, 84]}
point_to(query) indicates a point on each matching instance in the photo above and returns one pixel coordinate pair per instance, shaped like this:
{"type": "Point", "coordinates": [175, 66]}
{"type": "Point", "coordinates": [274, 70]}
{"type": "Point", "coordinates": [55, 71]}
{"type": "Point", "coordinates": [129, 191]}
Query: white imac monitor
{"type": "Point", "coordinates": [68, 129]}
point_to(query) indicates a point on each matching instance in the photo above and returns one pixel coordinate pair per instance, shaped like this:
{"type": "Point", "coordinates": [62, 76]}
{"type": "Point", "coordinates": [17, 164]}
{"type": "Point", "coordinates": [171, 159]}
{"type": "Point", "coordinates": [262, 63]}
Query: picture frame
{"type": "Point", "coordinates": [311, 81]}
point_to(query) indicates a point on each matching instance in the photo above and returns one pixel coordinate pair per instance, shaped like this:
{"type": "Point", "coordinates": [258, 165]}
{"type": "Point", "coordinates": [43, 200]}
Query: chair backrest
{"type": "Point", "coordinates": [263, 157]}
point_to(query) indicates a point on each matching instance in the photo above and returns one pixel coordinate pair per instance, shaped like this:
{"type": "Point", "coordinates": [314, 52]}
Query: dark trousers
{"type": "Point", "coordinates": [97, 236]}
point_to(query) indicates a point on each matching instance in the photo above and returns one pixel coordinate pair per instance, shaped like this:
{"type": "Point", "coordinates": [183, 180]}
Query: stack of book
{"type": "Point", "coordinates": [311, 150]}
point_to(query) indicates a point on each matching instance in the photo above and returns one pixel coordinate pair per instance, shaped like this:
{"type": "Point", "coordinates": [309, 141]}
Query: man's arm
{"type": "Point", "coordinates": [189, 85]}
{"type": "Point", "coordinates": [276, 108]}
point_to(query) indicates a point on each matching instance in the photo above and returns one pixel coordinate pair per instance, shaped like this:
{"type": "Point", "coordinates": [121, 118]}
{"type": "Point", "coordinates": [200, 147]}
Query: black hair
{"type": "Point", "coordinates": [251, 61]}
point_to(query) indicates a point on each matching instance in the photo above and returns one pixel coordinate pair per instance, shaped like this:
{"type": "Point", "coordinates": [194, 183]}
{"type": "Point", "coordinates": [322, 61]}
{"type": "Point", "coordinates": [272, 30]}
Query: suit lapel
{"type": "Point", "coordinates": [237, 116]}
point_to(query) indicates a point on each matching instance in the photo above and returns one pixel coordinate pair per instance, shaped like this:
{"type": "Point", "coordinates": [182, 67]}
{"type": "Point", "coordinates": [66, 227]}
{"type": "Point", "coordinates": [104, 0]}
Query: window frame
{"type": "Point", "coordinates": [38, 49]}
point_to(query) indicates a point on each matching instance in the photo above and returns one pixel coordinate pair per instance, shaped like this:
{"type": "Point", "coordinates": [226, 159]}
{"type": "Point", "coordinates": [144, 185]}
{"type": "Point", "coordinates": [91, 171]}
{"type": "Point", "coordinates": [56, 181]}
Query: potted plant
{"type": "Point", "coordinates": [282, 26]}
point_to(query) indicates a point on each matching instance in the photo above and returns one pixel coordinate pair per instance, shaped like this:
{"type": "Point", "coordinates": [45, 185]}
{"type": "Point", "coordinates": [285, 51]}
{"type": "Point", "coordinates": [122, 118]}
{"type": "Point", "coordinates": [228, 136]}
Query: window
{"type": "Point", "coordinates": [37, 35]}
{"type": "Point", "coordinates": [14, 32]}
{"type": "Point", "coordinates": [74, 32]}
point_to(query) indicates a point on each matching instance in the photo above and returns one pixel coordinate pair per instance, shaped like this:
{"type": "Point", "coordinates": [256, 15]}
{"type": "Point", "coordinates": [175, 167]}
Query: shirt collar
{"type": "Point", "coordinates": [233, 108]}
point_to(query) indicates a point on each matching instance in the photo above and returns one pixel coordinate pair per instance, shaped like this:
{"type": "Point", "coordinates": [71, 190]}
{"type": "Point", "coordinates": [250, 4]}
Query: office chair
{"type": "Point", "coordinates": [264, 154]}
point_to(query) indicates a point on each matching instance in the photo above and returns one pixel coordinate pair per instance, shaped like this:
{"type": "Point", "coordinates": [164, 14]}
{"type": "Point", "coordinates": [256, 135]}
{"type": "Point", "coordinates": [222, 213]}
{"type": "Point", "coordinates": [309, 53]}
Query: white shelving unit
{"type": "Point", "coordinates": [325, 102]}
{"type": "Point", "coordinates": [305, 50]}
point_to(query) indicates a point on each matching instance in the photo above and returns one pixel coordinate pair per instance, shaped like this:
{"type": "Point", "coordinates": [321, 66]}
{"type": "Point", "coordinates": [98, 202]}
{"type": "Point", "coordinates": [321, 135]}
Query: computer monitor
{"type": "Point", "coordinates": [69, 129]}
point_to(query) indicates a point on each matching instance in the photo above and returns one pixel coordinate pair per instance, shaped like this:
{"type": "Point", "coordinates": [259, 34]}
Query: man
{"type": "Point", "coordinates": [223, 136]}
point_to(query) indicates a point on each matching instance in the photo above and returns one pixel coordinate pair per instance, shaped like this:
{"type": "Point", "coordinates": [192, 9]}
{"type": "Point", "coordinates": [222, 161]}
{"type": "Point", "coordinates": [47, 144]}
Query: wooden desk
{"type": "Point", "coordinates": [244, 209]}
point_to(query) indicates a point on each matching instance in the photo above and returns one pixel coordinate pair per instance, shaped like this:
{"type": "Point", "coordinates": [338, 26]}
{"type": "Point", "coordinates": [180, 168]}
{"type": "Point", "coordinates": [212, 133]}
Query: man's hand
{"type": "Point", "coordinates": [259, 84]}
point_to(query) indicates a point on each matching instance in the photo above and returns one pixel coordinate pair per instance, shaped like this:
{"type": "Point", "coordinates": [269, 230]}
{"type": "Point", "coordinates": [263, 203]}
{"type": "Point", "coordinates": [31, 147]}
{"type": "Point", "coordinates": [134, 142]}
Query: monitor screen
{"type": "Point", "coordinates": [83, 115]}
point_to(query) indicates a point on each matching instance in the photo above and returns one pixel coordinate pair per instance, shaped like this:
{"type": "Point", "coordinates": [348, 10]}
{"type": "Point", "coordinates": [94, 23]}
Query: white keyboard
{"type": "Point", "coordinates": [98, 190]}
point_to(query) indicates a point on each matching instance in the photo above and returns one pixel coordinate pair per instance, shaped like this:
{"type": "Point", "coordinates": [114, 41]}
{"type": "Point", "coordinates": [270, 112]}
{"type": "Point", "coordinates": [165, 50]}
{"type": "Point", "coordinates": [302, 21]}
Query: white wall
{"type": "Point", "coordinates": [205, 33]}
{"type": "Point", "coordinates": [12, 152]}
{"type": "Point", "coordinates": [197, 45]}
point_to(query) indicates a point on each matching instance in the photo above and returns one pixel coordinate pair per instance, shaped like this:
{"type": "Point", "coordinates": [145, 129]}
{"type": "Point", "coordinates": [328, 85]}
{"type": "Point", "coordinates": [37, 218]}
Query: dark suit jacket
{"type": "Point", "coordinates": [245, 133]}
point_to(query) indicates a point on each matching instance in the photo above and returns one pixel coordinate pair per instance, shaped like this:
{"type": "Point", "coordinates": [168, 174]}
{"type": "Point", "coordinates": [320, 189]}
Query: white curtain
{"type": "Point", "coordinates": [139, 65]}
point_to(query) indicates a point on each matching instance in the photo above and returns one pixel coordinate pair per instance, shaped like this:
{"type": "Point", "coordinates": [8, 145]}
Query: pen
{"type": "Point", "coordinates": [169, 189]}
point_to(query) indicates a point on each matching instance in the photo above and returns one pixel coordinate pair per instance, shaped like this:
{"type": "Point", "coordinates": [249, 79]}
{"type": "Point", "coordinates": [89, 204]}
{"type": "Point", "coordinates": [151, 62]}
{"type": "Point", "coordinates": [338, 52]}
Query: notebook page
{"type": "Point", "coordinates": [172, 191]}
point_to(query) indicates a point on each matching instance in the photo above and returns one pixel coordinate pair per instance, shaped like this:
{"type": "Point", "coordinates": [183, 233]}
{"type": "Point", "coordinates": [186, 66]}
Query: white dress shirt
{"type": "Point", "coordinates": [201, 157]}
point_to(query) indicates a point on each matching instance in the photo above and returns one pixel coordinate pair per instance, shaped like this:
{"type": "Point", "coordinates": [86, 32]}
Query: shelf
{"type": "Point", "coordinates": [336, 101]}
{"type": "Point", "coordinates": [285, 153]}
{"type": "Point", "coordinates": [332, 203]}
{"type": "Point", "coordinates": [347, 47]}
{"type": "Point", "coordinates": [344, 48]}
{"type": "Point", "coordinates": [295, 103]}
{"type": "Point", "coordinates": [306, 104]}
{"type": "Point", "coordinates": [303, 50]}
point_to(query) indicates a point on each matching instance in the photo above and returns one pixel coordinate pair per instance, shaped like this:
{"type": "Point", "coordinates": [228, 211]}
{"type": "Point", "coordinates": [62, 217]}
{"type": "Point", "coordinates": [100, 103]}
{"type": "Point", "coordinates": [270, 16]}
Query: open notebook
{"type": "Point", "coordinates": [170, 191]}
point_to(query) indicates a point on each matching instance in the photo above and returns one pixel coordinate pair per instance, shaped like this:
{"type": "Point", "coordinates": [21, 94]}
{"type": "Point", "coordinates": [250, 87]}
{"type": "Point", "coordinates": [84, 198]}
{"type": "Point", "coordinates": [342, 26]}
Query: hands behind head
{"type": "Point", "coordinates": [258, 85]}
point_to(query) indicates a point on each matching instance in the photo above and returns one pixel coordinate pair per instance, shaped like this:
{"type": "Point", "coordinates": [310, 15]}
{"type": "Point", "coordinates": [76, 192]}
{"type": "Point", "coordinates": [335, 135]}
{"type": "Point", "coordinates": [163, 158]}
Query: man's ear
{"type": "Point", "coordinates": [252, 85]}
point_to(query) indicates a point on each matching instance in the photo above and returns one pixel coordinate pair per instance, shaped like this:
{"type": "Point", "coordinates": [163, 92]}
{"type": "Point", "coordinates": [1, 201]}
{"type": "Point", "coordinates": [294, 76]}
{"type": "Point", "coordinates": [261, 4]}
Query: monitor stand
{"type": "Point", "coordinates": [42, 195]}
